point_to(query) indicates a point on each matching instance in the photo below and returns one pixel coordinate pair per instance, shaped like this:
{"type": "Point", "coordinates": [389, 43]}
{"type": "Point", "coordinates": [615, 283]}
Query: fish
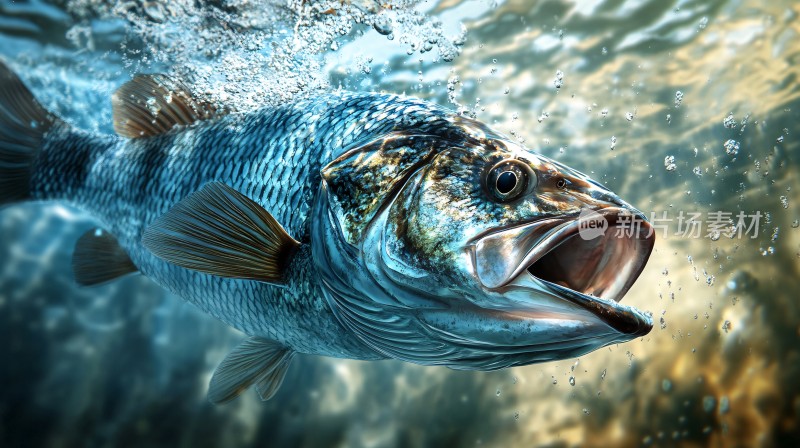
{"type": "Point", "coordinates": [365, 226]}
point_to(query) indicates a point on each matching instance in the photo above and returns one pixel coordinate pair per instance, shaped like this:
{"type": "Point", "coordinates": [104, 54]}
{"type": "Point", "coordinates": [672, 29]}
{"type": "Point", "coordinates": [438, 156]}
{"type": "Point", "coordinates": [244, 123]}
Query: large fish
{"type": "Point", "coordinates": [352, 225]}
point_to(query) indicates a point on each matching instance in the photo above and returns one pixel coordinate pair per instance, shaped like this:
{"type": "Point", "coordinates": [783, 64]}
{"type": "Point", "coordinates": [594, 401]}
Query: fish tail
{"type": "Point", "coordinates": [23, 125]}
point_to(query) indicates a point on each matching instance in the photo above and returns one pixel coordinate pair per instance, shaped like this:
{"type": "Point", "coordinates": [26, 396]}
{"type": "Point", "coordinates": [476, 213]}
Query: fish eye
{"type": "Point", "coordinates": [510, 179]}
{"type": "Point", "coordinates": [561, 184]}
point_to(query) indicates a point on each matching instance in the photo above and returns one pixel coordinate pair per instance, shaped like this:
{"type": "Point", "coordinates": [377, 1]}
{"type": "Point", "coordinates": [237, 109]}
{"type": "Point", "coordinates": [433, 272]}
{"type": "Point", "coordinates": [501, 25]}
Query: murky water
{"type": "Point", "coordinates": [686, 109]}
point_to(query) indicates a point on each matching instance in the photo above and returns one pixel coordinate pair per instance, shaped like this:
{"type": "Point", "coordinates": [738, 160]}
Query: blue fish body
{"type": "Point", "coordinates": [353, 225]}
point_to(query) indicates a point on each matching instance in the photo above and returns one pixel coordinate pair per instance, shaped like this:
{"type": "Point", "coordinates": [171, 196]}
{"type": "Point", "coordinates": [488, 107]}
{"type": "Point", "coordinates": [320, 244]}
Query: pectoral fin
{"type": "Point", "coordinates": [255, 361]}
{"type": "Point", "coordinates": [220, 231]}
{"type": "Point", "coordinates": [99, 258]}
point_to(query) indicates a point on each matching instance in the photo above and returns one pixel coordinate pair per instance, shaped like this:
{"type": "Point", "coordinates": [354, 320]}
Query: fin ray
{"type": "Point", "coordinates": [98, 258]}
{"type": "Point", "coordinates": [151, 105]}
{"type": "Point", "coordinates": [255, 361]}
{"type": "Point", "coordinates": [23, 123]}
{"type": "Point", "coordinates": [219, 231]}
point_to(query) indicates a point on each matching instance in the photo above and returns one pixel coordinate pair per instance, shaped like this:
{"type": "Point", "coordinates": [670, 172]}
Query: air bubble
{"type": "Point", "coordinates": [678, 98]}
{"type": "Point", "coordinates": [559, 81]}
{"type": "Point", "coordinates": [731, 147]}
{"type": "Point", "coordinates": [729, 122]}
{"type": "Point", "coordinates": [669, 163]}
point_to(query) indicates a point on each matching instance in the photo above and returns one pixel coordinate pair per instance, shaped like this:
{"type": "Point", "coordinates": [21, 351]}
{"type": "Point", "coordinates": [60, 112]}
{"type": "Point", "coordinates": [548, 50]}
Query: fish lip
{"type": "Point", "coordinates": [605, 265]}
{"type": "Point", "coordinates": [625, 319]}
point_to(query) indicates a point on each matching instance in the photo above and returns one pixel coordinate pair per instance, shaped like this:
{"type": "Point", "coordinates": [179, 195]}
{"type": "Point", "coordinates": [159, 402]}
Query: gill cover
{"type": "Point", "coordinates": [356, 194]}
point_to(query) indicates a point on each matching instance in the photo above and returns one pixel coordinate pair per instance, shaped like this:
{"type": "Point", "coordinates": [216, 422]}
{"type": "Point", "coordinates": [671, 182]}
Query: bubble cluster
{"type": "Point", "coordinates": [731, 147]}
{"type": "Point", "coordinates": [678, 98]}
{"type": "Point", "coordinates": [669, 163]}
{"type": "Point", "coordinates": [246, 55]}
{"type": "Point", "coordinates": [729, 122]}
{"type": "Point", "coordinates": [559, 80]}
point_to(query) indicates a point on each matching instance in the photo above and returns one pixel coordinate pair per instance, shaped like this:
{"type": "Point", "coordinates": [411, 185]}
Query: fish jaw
{"type": "Point", "coordinates": [569, 267]}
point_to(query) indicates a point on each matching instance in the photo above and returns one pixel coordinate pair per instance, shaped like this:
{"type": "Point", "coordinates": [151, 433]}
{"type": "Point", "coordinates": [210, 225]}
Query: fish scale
{"type": "Point", "coordinates": [363, 226]}
{"type": "Point", "coordinates": [274, 158]}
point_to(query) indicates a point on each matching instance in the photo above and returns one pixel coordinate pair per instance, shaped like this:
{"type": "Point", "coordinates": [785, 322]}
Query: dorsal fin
{"type": "Point", "coordinates": [254, 361]}
{"type": "Point", "coordinates": [219, 231]}
{"type": "Point", "coordinates": [151, 105]}
{"type": "Point", "coordinates": [99, 258]}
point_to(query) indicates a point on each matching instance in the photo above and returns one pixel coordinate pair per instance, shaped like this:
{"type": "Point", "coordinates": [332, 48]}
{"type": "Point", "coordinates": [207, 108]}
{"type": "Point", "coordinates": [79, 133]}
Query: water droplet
{"type": "Point", "coordinates": [740, 281]}
{"type": "Point", "coordinates": [613, 142]}
{"type": "Point", "coordinates": [665, 271]}
{"type": "Point", "coordinates": [663, 322]}
{"type": "Point", "coordinates": [796, 223]}
{"type": "Point", "coordinates": [710, 280]}
{"type": "Point", "coordinates": [666, 385]}
{"type": "Point", "coordinates": [729, 122]}
{"type": "Point", "coordinates": [724, 405]}
{"type": "Point", "coordinates": [678, 98]}
{"type": "Point", "coordinates": [697, 171]}
{"type": "Point", "coordinates": [516, 415]}
{"type": "Point", "coordinates": [669, 118]}
{"type": "Point", "coordinates": [586, 411]}
{"type": "Point", "coordinates": [154, 10]}
{"type": "Point", "coordinates": [498, 392]}
{"type": "Point", "coordinates": [731, 147]}
{"type": "Point", "coordinates": [572, 381]}
{"type": "Point", "coordinates": [604, 51]}
{"type": "Point", "coordinates": [559, 80]}
{"type": "Point", "coordinates": [708, 403]}
{"type": "Point", "coordinates": [555, 381]}
{"type": "Point", "coordinates": [784, 201]}
{"type": "Point", "coordinates": [726, 326]}
{"type": "Point", "coordinates": [334, 46]}
{"type": "Point", "coordinates": [506, 90]}
{"type": "Point", "coordinates": [669, 163]}
{"type": "Point", "coordinates": [629, 116]}
{"type": "Point", "coordinates": [703, 23]}
{"type": "Point", "coordinates": [543, 116]}
{"type": "Point", "coordinates": [603, 374]}
{"type": "Point", "coordinates": [779, 139]}
{"type": "Point", "coordinates": [383, 27]}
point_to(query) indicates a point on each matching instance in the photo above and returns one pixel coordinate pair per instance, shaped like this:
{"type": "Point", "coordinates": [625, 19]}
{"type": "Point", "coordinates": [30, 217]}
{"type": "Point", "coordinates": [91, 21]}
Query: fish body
{"type": "Point", "coordinates": [354, 225]}
{"type": "Point", "coordinates": [273, 156]}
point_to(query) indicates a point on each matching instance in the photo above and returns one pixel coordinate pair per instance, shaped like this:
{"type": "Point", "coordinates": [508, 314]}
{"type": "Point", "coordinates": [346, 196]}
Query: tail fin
{"type": "Point", "coordinates": [23, 124]}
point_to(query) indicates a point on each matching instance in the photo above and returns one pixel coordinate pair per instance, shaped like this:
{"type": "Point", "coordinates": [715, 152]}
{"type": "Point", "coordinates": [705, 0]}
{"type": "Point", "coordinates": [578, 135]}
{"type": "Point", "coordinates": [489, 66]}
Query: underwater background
{"type": "Point", "coordinates": [683, 108]}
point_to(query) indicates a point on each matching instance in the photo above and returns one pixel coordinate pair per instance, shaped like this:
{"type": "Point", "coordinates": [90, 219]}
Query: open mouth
{"type": "Point", "coordinates": [590, 261]}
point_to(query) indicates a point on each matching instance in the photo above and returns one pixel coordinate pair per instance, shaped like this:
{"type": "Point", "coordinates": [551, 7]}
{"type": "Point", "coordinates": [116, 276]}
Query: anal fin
{"type": "Point", "coordinates": [99, 258]}
{"type": "Point", "coordinates": [255, 361]}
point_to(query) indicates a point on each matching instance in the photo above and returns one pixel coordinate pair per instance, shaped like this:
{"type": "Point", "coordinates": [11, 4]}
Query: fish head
{"type": "Point", "coordinates": [482, 254]}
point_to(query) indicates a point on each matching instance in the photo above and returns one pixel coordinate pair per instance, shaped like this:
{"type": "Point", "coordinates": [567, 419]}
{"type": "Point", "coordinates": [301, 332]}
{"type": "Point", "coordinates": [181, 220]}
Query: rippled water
{"type": "Point", "coordinates": [678, 106]}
